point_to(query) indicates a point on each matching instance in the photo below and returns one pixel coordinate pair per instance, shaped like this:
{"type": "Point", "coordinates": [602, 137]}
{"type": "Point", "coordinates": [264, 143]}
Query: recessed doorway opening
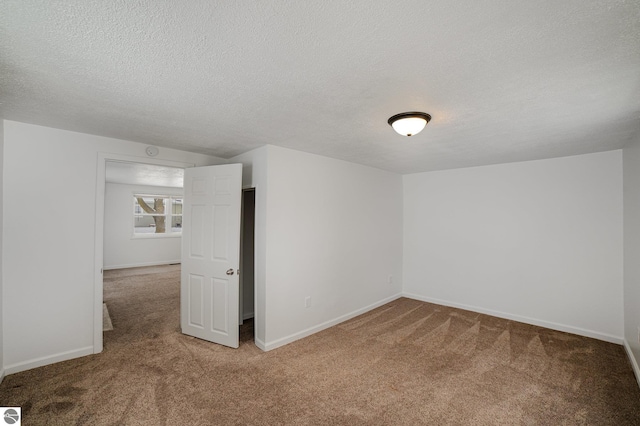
{"type": "Point", "coordinates": [146, 289]}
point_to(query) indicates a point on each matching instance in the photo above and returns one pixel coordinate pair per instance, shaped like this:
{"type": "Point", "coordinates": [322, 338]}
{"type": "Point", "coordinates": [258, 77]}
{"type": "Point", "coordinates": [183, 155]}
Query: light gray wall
{"type": "Point", "coordinates": [538, 241]}
{"type": "Point", "coordinates": [334, 234]}
{"type": "Point", "coordinates": [631, 155]}
{"type": "Point", "coordinates": [325, 229]}
{"type": "Point", "coordinates": [121, 250]}
{"type": "Point", "coordinates": [1, 247]}
{"type": "Point", "coordinates": [49, 239]}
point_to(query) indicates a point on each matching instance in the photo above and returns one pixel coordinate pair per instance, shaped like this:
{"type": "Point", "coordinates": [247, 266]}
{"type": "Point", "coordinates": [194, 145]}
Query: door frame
{"type": "Point", "coordinates": [103, 157]}
{"type": "Point", "coordinates": [243, 251]}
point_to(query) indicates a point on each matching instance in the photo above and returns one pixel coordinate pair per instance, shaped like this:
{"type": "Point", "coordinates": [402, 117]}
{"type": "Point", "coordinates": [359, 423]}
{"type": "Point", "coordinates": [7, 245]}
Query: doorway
{"type": "Point", "coordinates": [247, 248]}
{"type": "Point", "coordinates": [247, 255]}
{"type": "Point", "coordinates": [142, 215]}
{"type": "Point", "coordinates": [142, 250]}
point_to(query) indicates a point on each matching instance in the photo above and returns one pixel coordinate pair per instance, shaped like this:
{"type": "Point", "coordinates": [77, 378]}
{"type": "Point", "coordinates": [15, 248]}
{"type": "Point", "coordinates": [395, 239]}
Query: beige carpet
{"type": "Point", "coordinates": [405, 363]}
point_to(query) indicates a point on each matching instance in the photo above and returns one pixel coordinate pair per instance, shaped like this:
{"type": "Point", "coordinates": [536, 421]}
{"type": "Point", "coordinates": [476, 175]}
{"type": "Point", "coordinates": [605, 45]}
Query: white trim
{"type": "Point", "coordinates": [315, 329]}
{"type": "Point", "coordinates": [139, 265]}
{"type": "Point", "coordinates": [98, 264]}
{"type": "Point", "coordinates": [102, 159]}
{"type": "Point", "coordinates": [151, 236]}
{"type": "Point", "coordinates": [632, 360]}
{"type": "Point", "coordinates": [2, 375]}
{"type": "Point", "coordinates": [247, 315]}
{"type": "Point", "coordinates": [168, 215]}
{"type": "Point", "coordinates": [541, 323]}
{"type": "Point", "coordinates": [260, 344]}
{"type": "Point", "coordinates": [50, 359]}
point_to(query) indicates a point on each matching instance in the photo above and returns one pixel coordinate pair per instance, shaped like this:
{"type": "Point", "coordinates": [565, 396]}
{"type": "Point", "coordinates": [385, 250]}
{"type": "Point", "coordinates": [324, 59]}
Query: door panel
{"type": "Point", "coordinates": [197, 239]}
{"type": "Point", "coordinates": [196, 301]}
{"type": "Point", "coordinates": [210, 253]}
{"type": "Point", "coordinates": [221, 225]}
{"type": "Point", "coordinates": [220, 321]}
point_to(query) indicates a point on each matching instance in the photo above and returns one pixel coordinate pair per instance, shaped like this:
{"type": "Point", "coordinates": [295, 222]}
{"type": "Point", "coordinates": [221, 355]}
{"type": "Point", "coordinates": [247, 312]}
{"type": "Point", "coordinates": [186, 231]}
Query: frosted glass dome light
{"type": "Point", "coordinates": [409, 123]}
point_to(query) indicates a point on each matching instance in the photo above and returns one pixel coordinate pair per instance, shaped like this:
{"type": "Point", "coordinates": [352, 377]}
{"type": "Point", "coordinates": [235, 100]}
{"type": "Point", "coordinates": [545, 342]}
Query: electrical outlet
{"type": "Point", "coordinates": [390, 279]}
{"type": "Point", "coordinates": [307, 301]}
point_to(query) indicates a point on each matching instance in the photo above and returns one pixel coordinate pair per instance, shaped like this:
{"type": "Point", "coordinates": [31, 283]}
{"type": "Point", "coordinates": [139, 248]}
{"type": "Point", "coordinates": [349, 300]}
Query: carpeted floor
{"type": "Point", "coordinates": [405, 363]}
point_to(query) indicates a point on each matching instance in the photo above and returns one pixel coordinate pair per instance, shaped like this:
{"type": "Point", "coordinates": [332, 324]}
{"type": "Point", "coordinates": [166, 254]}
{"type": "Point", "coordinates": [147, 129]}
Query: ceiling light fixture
{"type": "Point", "coordinates": [409, 123]}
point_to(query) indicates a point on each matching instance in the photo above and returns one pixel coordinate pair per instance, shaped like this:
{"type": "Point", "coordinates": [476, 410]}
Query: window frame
{"type": "Point", "coordinates": [168, 215]}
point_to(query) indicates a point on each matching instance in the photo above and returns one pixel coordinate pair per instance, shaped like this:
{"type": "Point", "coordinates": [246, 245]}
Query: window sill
{"type": "Point", "coordinates": [154, 236]}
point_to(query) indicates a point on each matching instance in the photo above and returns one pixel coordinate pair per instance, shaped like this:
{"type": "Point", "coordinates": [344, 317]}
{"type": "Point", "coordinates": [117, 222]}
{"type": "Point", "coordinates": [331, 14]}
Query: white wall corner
{"type": "Point", "coordinates": [327, 324]}
{"type": "Point", "coordinates": [260, 344]}
{"type": "Point", "coordinates": [633, 361]}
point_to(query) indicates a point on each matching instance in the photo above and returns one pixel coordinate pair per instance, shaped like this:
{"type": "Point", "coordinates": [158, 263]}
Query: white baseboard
{"type": "Point", "coordinates": [247, 315]}
{"type": "Point", "coordinates": [541, 323]}
{"type": "Point", "coordinates": [632, 360]}
{"type": "Point", "coordinates": [46, 360]}
{"type": "Point", "coordinates": [138, 265]}
{"type": "Point", "coordinates": [312, 330]}
{"type": "Point", "coordinates": [260, 344]}
{"type": "Point", "coordinates": [2, 374]}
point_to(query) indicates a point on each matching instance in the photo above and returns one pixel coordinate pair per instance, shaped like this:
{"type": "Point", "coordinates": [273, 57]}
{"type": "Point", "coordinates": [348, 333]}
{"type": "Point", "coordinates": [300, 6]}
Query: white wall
{"type": "Point", "coordinates": [538, 241]}
{"type": "Point", "coordinates": [325, 229]}
{"type": "Point", "coordinates": [121, 250]}
{"type": "Point", "coordinates": [49, 239]}
{"type": "Point", "coordinates": [631, 155]}
{"type": "Point", "coordinates": [1, 239]}
{"type": "Point", "coordinates": [334, 234]}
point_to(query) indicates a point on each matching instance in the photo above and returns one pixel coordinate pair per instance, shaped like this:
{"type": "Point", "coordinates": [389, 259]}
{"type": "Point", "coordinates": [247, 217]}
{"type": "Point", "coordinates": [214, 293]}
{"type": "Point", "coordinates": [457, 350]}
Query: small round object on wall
{"type": "Point", "coordinates": [152, 151]}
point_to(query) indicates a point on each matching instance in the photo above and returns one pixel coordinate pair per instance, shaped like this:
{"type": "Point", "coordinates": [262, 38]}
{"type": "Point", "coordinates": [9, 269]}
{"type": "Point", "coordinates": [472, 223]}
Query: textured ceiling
{"type": "Point", "coordinates": [504, 81]}
{"type": "Point", "coordinates": [143, 174]}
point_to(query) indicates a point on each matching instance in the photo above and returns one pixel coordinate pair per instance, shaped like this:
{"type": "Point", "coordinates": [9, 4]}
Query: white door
{"type": "Point", "coordinates": [209, 290]}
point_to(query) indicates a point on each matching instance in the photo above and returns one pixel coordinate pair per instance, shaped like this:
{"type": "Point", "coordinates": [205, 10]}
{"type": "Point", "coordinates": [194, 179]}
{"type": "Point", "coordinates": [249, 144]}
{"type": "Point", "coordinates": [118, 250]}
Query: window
{"type": "Point", "coordinates": [157, 215]}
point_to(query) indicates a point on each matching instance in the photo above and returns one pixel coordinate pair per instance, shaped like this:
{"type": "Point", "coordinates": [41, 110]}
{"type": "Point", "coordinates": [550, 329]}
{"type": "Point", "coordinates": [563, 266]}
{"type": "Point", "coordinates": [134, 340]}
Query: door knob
{"type": "Point", "coordinates": [230, 271]}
